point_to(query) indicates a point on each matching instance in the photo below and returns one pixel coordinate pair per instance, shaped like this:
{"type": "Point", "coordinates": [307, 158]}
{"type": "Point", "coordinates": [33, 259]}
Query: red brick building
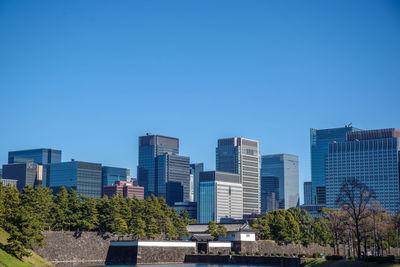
{"type": "Point", "coordinates": [126, 189]}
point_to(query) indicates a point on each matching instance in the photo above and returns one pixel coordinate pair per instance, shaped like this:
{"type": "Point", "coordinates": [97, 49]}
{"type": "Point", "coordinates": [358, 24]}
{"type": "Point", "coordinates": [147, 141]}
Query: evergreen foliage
{"type": "Point", "coordinates": [26, 214]}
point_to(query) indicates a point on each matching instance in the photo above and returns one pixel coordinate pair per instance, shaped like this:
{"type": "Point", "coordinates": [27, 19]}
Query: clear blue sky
{"type": "Point", "coordinates": [89, 77]}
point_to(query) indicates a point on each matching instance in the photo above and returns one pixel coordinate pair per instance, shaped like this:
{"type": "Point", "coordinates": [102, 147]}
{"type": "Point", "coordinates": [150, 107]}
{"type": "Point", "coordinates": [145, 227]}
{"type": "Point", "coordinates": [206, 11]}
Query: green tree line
{"type": "Point", "coordinates": [26, 214]}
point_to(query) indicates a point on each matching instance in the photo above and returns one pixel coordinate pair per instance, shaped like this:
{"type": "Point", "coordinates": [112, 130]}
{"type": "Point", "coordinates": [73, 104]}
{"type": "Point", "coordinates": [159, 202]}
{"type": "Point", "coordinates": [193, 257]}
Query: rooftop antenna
{"type": "Point", "coordinates": [349, 125]}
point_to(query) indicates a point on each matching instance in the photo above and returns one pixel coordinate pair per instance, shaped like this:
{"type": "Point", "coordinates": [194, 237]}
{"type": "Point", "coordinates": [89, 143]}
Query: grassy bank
{"type": "Point", "coordinates": [6, 260]}
{"type": "Point", "coordinates": [342, 263]}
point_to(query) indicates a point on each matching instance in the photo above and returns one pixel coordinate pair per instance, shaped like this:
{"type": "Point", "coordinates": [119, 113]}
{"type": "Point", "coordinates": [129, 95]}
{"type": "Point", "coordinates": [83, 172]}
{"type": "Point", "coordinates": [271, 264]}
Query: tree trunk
{"type": "Point", "coordinates": [358, 240]}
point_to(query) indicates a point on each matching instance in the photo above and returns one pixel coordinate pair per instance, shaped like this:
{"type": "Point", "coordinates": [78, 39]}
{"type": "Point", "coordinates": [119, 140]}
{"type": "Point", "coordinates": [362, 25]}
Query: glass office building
{"type": "Point", "coordinates": [151, 146]}
{"type": "Point", "coordinates": [269, 193]}
{"type": "Point", "coordinates": [285, 169]}
{"type": "Point", "coordinates": [307, 193]}
{"type": "Point", "coordinates": [112, 174]}
{"type": "Point", "coordinates": [221, 197]}
{"type": "Point", "coordinates": [173, 176]}
{"type": "Point", "coordinates": [319, 140]}
{"type": "Point", "coordinates": [27, 173]}
{"type": "Point", "coordinates": [40, 156]}
{"type": "Point", "coordinates": [242, 156]}
{"type": "Point", "coordinates": [195, 170]}
{"type": "Point", "coordinates": [371, 157]}
{"type": "Point", "coordinates": [84, 177]}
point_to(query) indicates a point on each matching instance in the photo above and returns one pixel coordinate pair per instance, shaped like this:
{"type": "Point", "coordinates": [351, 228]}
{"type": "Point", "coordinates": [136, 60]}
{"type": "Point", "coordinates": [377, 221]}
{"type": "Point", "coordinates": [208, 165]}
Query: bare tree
{"type": "Point", "coordinates": [354, 198]}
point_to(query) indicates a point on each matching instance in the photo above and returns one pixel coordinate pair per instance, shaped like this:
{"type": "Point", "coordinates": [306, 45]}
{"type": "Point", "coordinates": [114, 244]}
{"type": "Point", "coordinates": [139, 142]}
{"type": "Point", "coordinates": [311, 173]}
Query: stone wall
{"type": "Point", "coordinates": [269, 246]}
{"type": "Point", "coordinates": [71, 247]}
{"type": "Point", "coordinates": [163, 254]}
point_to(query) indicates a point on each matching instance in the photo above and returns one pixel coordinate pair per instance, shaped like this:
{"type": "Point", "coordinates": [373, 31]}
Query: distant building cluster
{"type": "Point", "coordinates": [245, 183]}
{"type": "Point", "coordinates": [370, 156]}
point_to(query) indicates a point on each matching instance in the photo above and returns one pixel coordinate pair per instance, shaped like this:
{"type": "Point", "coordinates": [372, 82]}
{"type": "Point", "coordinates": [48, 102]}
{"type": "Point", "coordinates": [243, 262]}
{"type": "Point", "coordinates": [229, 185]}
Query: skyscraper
{"type": "Point", "coordinates": [269, 193]}
{"type": "Point", "coordinates": [285, 169]}
{"type": "Point", "coordinates": [221, 196]}
{"type": "Point", "coordinates": [371, 157]}
{"type": "Point", "coordinates": [40, 156]}
{"type": "Point", "coordinates": [173, 171]}
{"type": "Point", "coordinates": [151, 146]}
{"type": "Point", "coordinates": [319, 140]}
{"type": "Point", "coordinates": [241, 156]}
{"type": "Point", "coordinates": [195, 170]}
{"type": "Point", "coordinates": [307, 193]}
{"type": "Point", "coordinates": [84, 177]}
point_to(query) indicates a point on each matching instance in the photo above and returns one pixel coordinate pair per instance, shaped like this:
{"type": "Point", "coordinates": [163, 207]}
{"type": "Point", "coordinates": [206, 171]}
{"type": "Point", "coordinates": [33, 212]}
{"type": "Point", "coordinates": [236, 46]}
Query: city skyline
{"type": "Point", "coordinates": [88, 79]}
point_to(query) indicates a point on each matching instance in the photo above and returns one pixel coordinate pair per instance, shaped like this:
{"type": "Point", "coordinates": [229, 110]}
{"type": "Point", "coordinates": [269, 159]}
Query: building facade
{"type": "Point", "coordinates": [190, 207]}
{"type": "Point", "coordinates": [84, 177]}
{"type": "Point", "coordinates": [242, 156]}
{"type": "Point", "coordinates": [40, 156]}
{"type": "Point", "coordinates": [371, 157]}
{"type": "Point", "coordinates": [307, 193]}
{"type": "Point", "coordinates": [28, 173]}
{"type": "Point", "coordinates": [319, 140]}
{"type": "Point", "coordinates": [269, 193]}
{"type": "Point", "coordinates": [173, 178]}
{"type": "Point", "coordinates": [195, 170]}
{"type": "Point", "coordinates": [112, 174]}
{"type": "Point", "coordinates": [125, 189]}
{"type": "Point", "coordinates": [6, 182]}
{"type": "Point", "coordinates": [221, 196]}
{"type": "Point", "coordinates": [151, 146]}
{"type": "Point", "coordinates": [284, 168]}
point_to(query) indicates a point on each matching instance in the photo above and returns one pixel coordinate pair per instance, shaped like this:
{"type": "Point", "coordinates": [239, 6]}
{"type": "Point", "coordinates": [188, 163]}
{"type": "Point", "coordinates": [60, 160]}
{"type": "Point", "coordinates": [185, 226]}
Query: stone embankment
{"type": "Point", "coordinates": [93, 247]}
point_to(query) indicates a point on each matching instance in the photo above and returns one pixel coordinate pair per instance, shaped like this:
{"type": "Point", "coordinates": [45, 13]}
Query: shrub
{"type": "Point", "coordinates": [266, 254]}
{"type": "Point", "coordinates": [315, 255]}
{"type": "Point", "coordinates": [272, 254]}
{"type": "Point", "coordinates": [231, 252]}
{"type": "Point", "coordinates": [258, 253]}
{"type": "Point", "coordinates": [211, 253]}
{"type": "Point", "coordinates": [248, 253]}
{"type": "Point", "coordinates": [294, 254]}
{"type": "Point", "coordinates": [351, 258]}
{"type": "Point", "coordinates": [278, 254]}
{"type": "Point", "coordinates": [286, 255]}
{"type": "Point", "coordinates": [334, 258]}
{"type": "Point", "coordinates": [219, 252]}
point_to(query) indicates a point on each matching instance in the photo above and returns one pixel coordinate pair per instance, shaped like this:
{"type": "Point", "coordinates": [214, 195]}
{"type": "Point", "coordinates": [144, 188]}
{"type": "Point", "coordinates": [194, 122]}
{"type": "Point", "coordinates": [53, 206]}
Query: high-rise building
{"type": "Point", "coordinates": [319, 140]}
{"type": "Point", "coordinates": [371, 157]}
{"type": "Point", "coordinates": [285, 169]}
{"type": "Point", "coordinates": [151, 146]}
{"type": "Point", "coordinates": [40, 156]}
{"type": "Point", "coordinates": [113, 174]}
{"type": "Point", "coordinates": [221, 196]}
{"type": "Point", "coordinates": [28, 173]}
{"type": "Point", "coordinates": [307, 193]}
{"type": "Point", "coordinates": [242, 156]}
{"type": "Point", "coordinates": [195, 170]}
{"type": "Point", "coordinates": [269, 193]}
{"type": "Point", "coordinates": [173, 170]}
{"type": "Point", "coordinates": [125, 189]}
{"type": "Point", "coordinates": [84, 177]}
